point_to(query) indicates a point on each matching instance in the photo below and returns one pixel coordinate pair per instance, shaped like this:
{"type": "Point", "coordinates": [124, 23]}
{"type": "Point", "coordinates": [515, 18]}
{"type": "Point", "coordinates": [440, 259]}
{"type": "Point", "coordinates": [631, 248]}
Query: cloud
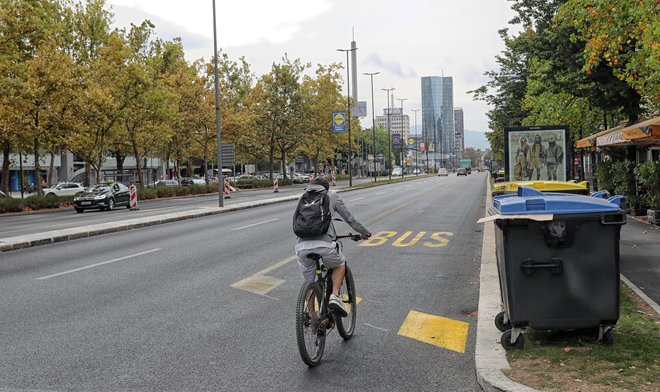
{"type": "Point", "coordinates": [392, 66]}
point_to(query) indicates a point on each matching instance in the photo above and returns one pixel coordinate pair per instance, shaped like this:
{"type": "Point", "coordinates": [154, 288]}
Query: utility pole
{"type": "Point", "coordinates": [221, 180]}
{"type": "Point", "coordinates": [417, 149]}
{"type": "Point", "coordinates": [348, 97]}
{"type": "Point", "coordinates": [373, 120]}
{"type": "Point", "coordinates": [403, 165]}
{"type": "Point", "coordinates": [389, 133]}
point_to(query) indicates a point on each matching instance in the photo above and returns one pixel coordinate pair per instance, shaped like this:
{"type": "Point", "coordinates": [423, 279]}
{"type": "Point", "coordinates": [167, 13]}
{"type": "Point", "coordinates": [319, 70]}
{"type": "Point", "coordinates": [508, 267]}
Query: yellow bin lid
{"type": "Point", "coordinates": [571, 186]}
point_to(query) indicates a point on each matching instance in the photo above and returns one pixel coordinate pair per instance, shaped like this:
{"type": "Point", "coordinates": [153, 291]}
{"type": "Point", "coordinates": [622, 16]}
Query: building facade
{"type": "Point", "coordinates": [438, 117]}
{"type": "Point", "coordinates": [459, 132]}
{"type": "Point", "coordinates": [399, 122]}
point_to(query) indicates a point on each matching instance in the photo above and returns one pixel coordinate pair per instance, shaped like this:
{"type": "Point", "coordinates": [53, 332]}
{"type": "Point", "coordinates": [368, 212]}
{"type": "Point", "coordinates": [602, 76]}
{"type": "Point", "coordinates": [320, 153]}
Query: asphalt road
{"type": "Point", "coordinates": [208, 304]}
{"type": "Point", "coordinates": [12, 225]}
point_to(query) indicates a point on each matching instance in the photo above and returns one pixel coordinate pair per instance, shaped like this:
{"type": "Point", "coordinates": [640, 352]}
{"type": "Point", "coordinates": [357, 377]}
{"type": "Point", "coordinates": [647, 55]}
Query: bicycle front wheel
{"type": "Point", "coordinates": [346, 325]}
{"type": "Point", "coordinates": [309, 334]}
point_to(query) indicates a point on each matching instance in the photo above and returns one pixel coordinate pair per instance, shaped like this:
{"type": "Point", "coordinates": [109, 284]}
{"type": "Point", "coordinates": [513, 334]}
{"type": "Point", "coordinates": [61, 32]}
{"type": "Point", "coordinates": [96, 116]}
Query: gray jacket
{"type": "Point", "coordinates": [337, 206]}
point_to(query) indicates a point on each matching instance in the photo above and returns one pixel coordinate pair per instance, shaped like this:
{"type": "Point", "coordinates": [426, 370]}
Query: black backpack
{"type": "Point", "coordinates": [313, 216]}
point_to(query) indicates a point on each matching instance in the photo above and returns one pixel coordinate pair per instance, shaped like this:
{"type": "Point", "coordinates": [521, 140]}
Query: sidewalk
{"type": "Point", "coordinates": [639, 250]}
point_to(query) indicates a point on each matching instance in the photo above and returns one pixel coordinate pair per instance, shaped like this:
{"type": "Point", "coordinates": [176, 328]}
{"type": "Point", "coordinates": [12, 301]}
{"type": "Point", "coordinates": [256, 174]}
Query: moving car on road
{"type": "Point", "coordinates": [64, 189]}
{"type": "Point", "coordinates": [103, 197]}
{"type": "Point", "coordinates": [461, 172]}
{"type": "Point", "coordinates": [443, 172]}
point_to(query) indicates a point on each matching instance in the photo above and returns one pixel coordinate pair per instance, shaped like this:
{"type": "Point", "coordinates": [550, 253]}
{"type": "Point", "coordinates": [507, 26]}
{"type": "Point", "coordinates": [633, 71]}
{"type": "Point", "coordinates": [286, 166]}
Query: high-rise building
{"type": "Point", "coordinates": [438, 117]}
{"type": "Point", "coordinates": [459, 131]}
{"type": "Point", "coordinates": [399, 122]}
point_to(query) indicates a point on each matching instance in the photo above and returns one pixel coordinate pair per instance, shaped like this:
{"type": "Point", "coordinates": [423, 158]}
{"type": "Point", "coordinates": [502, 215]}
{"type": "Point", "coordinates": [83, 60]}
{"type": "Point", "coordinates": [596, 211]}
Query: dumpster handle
{"type": "Point", "coordinates": [529, 267]}
{"type": "Point", "coordinates": [619, 219]}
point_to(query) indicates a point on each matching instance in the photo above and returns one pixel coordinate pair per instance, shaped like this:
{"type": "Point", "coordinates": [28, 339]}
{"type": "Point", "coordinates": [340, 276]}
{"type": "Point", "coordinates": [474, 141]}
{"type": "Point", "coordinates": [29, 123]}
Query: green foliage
{"type": "Point", "coordinates": [648, 177]}
{"type": "Point", "coordinates": [8, 204]}
{"type": "Point", "coordinates": [36, 202]}
{"type": "Point", "coordinates": [604, 176]}
{"type": "Point", "coordinates": [625, 183]}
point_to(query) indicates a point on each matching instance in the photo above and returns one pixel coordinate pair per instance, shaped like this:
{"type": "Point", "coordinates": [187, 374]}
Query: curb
{"type": "Point", "coordinates": [49, 237]}
{"type": "Point", "coordinates": [490, 356]}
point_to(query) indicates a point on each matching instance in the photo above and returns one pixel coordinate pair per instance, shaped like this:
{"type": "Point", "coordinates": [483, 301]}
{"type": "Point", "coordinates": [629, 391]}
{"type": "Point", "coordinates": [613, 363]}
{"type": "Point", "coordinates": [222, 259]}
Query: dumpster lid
{"type": "Point", "coordinates": [531, 201]}
{"type": "Point", "coordinates": [545, 186]}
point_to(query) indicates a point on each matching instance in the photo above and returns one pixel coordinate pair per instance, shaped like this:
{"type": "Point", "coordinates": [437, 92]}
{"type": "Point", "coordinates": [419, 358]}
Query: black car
{"type": "Point", "coordinates": [103, 197]}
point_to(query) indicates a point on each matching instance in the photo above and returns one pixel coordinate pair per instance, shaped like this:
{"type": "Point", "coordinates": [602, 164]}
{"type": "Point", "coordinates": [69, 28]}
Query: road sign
{"type": "Point", "coordinates": [411, 141]}
{"type": "Point", "coordinates": [339, 121]}
{"type": "Point", "coordinates": [228, 151]}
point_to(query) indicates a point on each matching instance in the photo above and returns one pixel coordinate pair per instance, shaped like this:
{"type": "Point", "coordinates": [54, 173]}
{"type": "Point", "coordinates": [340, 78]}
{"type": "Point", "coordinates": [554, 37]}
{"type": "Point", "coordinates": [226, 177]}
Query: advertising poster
{"type": "Point", "coordinates": [537, 153]}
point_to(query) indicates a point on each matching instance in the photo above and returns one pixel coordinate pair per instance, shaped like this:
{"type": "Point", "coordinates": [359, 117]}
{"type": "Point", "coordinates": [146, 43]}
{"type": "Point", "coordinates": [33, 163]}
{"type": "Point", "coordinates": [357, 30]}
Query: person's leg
{"type": "Point", "coordinates": [337, 278]}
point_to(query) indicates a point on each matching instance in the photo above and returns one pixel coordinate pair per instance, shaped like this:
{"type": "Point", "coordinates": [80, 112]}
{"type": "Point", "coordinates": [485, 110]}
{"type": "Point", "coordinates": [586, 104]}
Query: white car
{"type": "Point", "coordinates": [397, 171]}
{"type": "Point", "coordinates": [64, 189]}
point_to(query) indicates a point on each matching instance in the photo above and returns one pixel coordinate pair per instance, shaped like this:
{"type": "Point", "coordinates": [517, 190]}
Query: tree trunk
{"type": "Point", "coordinates": [37, 166]}
{"type": "Point", "coordinates": [138, 165]}
{"type": "Point", "coordinates": [87, 170]}
{"type": "Point", "coordinates": [51, 168]}
{"type": "Point", "coordinates": [6, 148]}
{"type": "Point", "coordinates": [119, 157]}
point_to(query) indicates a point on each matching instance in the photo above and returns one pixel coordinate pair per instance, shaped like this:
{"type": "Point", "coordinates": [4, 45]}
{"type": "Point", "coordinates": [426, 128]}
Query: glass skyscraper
{"type": "Point", "coordinates": [438, 117]}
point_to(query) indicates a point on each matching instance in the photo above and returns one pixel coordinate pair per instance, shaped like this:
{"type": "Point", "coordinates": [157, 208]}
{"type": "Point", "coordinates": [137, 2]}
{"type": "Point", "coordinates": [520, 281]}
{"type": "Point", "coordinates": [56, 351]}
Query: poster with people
{"type": "Point", "coordinates": [536, 153]}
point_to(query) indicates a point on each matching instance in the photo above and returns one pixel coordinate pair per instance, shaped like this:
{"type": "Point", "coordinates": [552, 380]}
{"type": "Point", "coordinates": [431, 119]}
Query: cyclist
{"type": "Point", "coordinates": [325, 246]}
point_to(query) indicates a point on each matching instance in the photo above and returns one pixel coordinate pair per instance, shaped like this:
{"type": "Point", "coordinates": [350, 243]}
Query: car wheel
{"type": "Point", "coordinates": [78, 210]}
{"type": "Point", "coordinates": [111, 204]}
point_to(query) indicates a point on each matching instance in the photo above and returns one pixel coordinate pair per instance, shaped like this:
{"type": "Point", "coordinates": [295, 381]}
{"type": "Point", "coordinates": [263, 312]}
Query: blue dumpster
{"type": "Point", "coordinates": [558, 263]}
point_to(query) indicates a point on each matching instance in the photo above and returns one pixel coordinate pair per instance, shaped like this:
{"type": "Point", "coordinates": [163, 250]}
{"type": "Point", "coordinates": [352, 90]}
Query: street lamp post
{"type": "Point", "coordinates": [417, 150]}
{"type": "Point", "coordinates": [221, 180]}
{"type": "Point", "coordinates": [373, 120]}
{"type": "Point", "coordinates": [403, 165]}
{"type": "Point", "coordinates": [389, 134]}
{"type": "Point", "coordinates": [348, 97]}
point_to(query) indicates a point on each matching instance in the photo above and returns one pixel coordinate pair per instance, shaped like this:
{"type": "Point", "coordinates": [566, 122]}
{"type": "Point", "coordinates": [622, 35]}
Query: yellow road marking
{"type": "Point", "coordinates": [436, 330]}
{"type": "Point", "coordinates": [258, 284]}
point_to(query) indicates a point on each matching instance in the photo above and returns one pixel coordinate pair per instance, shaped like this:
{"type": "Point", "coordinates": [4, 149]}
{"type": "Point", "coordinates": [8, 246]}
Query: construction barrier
{"type": "Point", "coordinates": [227, 189]}
{"type": "Point", "coordinates": [276, 185]}
{"type": "Point", "coordinates": [134, 200]}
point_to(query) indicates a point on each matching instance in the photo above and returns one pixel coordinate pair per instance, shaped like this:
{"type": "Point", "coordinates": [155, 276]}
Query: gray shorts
{"type": "Point", "coordinates": [332, 258]}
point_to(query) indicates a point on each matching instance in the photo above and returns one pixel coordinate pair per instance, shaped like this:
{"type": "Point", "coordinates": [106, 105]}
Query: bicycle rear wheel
{"type": "Point", "coordinates": [346, 325]}
{"type": "Point", "coordinates": [309, 334]}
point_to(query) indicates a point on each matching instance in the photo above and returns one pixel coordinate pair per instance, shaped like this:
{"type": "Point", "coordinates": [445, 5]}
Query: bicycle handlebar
{"type": "Point", "coordinates": [354, 237]}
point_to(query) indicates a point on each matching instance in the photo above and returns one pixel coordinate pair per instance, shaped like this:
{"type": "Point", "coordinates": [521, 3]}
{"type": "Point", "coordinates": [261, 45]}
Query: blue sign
{"type": "Point", "coordinates": [339, 121]}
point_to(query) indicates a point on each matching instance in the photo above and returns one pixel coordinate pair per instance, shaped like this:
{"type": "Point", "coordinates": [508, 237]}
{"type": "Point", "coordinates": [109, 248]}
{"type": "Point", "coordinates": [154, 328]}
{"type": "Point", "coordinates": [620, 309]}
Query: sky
{"type": "Point", "coordinates": [402, 39]}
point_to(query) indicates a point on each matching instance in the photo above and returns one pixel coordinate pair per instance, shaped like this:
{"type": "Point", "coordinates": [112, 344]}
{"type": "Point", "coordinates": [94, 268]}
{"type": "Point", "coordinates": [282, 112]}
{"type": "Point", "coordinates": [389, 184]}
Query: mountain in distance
{"type": "Point", "coordinates": [475, 139]}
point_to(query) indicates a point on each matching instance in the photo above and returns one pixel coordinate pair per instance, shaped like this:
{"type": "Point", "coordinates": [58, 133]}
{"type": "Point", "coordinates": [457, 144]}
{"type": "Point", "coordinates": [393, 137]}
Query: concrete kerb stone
{"type": "Point", "coordinates": [490, 356]}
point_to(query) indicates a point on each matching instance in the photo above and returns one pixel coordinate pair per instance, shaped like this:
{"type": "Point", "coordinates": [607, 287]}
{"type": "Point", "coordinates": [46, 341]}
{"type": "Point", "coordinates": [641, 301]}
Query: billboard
{"type": "Point", "coordinates": [537, 153]}
{"type": "Point", "coordinates": [339, 121]}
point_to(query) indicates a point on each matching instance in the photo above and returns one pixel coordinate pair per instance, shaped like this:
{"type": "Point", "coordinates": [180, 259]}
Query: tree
{"type": "Point", "coordinates": [322, 95]}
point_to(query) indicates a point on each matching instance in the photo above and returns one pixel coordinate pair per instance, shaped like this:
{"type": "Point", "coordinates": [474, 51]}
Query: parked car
{"type": "Point", "coordinates": [103, 197]}
{"type": "Point", "coordinates": [166, 183]}
{"type": "Point", "coordinates": [64, 189]}
{"type": "Point", "coordinates": [468, 170]}
{"type": "Point", "coordinates": [198, 181]}
{"type": "Point", "coordinates": [2, 194]}
{"type": "Point", "coordinates": [461, 172]}
{"type": "Point", "coordinates": [443, 172]}
{"type": "Point", "coordinates": [397, 172]}
{"type": "Point", "coordinates": [299, 178]}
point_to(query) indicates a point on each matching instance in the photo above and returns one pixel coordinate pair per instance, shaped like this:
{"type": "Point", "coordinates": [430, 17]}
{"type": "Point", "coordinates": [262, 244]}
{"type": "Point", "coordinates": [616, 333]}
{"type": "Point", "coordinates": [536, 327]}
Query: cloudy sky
{"type": "Point", "coordinates": [402, 39]}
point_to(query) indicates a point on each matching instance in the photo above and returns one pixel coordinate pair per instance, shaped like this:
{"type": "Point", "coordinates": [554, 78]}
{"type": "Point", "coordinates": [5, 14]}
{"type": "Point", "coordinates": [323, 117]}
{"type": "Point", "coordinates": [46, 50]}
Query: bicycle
{"type": "Point", "coordinates": [313, 318]}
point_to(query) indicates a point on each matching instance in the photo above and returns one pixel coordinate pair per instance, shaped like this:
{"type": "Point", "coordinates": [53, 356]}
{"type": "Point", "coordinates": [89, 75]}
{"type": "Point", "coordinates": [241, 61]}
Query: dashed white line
{"type": "Point", "coordinates": [99, 264]}
{"type": "Point", "coordinates": [380, 193]}
{"type": "Point", "coordinates": [254, 224]}
{"type": "Point", "coordinates": [357, 198]}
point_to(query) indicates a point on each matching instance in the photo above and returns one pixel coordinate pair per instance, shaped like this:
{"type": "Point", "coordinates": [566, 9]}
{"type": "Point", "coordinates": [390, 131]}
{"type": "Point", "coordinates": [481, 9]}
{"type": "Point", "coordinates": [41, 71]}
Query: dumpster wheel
{"type": "Point", "coordinates": [502, 322]}
{"type": "Point", "coordinates": [518, 344]}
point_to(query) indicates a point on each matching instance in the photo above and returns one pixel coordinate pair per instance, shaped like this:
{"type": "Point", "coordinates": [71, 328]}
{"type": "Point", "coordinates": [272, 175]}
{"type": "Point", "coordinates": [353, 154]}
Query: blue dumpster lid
{"type": "Point", "coordinates": [531, 201]}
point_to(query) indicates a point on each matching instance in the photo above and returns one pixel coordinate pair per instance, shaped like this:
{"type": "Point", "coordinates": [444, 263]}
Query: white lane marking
{"type": "Point", "coordinates": [357, 198]}
{"type": "Point", "coordinates": [99, 264]}
{"type": "Point", "coordinates": [396, 189]}
{"type": "Point", "coordinates": [254, 224]}
{"type": "Point", "coordinates": [380, 193]}
{"type": "Point", "coordinates": [373, 326]}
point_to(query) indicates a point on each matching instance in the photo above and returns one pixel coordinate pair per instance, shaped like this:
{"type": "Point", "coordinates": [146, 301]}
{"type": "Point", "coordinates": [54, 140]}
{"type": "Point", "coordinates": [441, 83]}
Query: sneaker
{"type": "Point", "coordinates": [337, 306]}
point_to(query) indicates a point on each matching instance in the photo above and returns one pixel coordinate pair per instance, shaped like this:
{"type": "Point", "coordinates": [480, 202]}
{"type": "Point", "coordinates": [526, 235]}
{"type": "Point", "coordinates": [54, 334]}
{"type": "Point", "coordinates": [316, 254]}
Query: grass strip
{"type": "Point", "coordinates": [574, 360]}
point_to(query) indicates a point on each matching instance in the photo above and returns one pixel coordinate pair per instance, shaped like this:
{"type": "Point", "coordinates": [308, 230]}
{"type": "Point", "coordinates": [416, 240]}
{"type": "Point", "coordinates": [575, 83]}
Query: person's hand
{"type": "Point", "coordinates": [366, 236]}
